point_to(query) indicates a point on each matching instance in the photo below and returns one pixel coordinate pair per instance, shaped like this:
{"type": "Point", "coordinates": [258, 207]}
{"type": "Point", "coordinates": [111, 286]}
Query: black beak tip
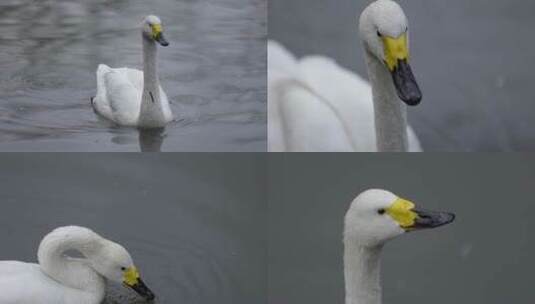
{"type": "Point", "coordinates": [141, 289]}
{"type": "Point", "coordinates": [150, 297]}
{"type": "Point", "coordinates": [406, 86]}
{"type": "Point", "coordinates": [450, 217]}
{"type": "Point", "coordinates": [413, 99]}
{"type": "Point", "coordinates": [160, 38]}
{"type": "Point", "coordinates": [432, 219]}
{"type": "Point", "coordinates": [443, 219]}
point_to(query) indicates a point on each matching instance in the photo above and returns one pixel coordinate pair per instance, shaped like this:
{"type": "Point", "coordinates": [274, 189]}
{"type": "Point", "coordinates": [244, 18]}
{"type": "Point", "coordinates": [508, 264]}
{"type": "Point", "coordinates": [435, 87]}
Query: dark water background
{"type": "Point", "coordinates": [484, 256]}
{"type": "Point", "coordinates": [474, 62]}
{"type": "Point", "coordinates": [194, 225]}
{"type": "Point", "coordinates": [214, 73]}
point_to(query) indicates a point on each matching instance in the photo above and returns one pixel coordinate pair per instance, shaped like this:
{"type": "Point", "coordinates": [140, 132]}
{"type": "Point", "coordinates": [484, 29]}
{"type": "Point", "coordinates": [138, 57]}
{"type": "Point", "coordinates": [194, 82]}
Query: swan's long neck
{"type": "Point", "coordinates": [72, 272]}
{"type": "Point", "coordinates": [390, 111]}
{"type": "Point", "coordinates": [362, 273]}
{"type": "Point", "coordinates": [151, 103]}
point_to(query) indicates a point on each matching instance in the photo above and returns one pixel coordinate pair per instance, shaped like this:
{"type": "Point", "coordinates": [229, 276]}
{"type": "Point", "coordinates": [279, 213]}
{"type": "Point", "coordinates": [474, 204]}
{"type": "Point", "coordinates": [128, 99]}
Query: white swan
{"type": "Point", "coordinates": [59, 279]}
{"type": "Point", "coordinates": [130, 97]}
{"type": "Point", "coordinates": [373, 218]}
{"type": "Point", "coordinates": [316, 105]}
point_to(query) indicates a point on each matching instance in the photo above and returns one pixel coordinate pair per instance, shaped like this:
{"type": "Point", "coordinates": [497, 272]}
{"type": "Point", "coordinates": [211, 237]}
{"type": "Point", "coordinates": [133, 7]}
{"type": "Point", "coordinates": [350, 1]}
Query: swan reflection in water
{"type": "Point", "coordinates": [151, 140]}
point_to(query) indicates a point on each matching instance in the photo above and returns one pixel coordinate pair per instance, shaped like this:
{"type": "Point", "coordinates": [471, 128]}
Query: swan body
{"type": "Point", "coordinates": [316, 105]}
{"type": "Point", "coordinates": [130, 97]}
{"type": "Point", "coordinates": [19, 278]}
{"type": "Point", "coordinates": [59, 279]}
{"type": "Point", "coordinates": [375, 217]}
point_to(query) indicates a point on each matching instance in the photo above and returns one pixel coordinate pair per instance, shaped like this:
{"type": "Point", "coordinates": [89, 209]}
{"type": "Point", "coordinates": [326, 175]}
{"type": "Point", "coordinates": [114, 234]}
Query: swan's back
{"type": "Point", "coordinates": [17, 278]}
{"type": "Point", "coordinates": [119, 94]}
{"type": "Point", "coordinates": [317, 105]}
{"type": "Point", "coordinates": [282, 66]}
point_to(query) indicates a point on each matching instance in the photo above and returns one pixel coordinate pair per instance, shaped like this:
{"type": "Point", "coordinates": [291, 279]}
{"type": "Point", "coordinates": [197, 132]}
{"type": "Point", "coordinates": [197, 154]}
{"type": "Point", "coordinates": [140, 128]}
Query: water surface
{"type": "Point", "coordinates": [213, 73]}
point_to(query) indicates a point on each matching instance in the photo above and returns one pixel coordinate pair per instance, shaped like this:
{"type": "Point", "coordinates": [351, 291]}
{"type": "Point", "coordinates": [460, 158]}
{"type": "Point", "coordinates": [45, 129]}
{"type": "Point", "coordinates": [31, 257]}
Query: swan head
{"type": "Point", "coordinates": [113, 262]}
{"type": "Point", "coordinates": [153, 30]}
{"type": "Point", "coordinates": [383, 28]}
{"type": "Point", "coordinates": [376, 216]}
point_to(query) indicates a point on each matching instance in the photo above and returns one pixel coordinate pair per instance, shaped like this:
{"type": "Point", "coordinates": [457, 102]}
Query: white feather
{"type": "Point", "coordinates": [122, 91]}
{"type": "Point", "coordinates": [316, 105]}
{"type": "Point", "coordinates": [59, 279]}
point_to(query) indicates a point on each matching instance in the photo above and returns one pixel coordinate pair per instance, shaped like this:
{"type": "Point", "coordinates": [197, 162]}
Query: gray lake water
{"type": "Point", "coordinates": [194, 225]}
{"type": "Point", "coordinates": [484, 256]}
{"type": "Point", "coordinates": [473, 60]}
{"type": "Point", "coordinates": [214, 73]}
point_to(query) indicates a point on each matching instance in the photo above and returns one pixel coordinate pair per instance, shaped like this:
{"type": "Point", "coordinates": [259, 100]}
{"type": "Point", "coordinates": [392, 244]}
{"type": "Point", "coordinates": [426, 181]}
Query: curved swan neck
{"type": "Point", "coordinates": [151, 107]}
{"type": "Point", "coordinates": [72, 272]}
{"type": "Point", "coordinates": [362, 273]}
{"type": "Point", "coordinates": [150, 68]}
{"type": "Point", "coordinates": [390, 111]}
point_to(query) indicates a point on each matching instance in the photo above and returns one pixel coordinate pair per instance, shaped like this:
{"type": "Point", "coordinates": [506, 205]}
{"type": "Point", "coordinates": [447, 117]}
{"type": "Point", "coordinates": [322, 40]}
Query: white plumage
{"type": "Point", "coordinates": [316, 105]}
{"type": "Point", "coordinates": [375, 217]}
{"type": "Point", "coordinates": [60, 279]}
{"type": "Point", "coordinates": [131, 97]}
{"type": "Point", "coordinates": [119, 94]}
{"type": "Point", "coordinates": [26, 283]}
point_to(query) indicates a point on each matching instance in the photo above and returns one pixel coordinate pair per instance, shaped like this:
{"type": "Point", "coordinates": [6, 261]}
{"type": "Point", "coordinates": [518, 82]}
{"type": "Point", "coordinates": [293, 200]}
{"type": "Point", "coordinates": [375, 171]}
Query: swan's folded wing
{"type": "Point", "coordinates": [299, 120]}
{"type": "Point", "coordinates": [124, 95]}
{"type": "Point", "coordinates": [347, 95]}
{"type": "Point", "coordinates": [281, 66]}
{"type": "Point", "coordinates": [100, 103]}
{"type": "Point", "coordinates": [308, 123]}
{"type": "Point", "coordinates": [135, 77]}
{"type": "Point", "coordinates": [25, 283]}
{"type": "Point", "coordinates": [166, 107]}
{"type": "Point", "coordinates": [338, 100]}
{"type": "Point", "coordinates": [276, 87]}
{"type": "Point", "coordinates": [338, 105]}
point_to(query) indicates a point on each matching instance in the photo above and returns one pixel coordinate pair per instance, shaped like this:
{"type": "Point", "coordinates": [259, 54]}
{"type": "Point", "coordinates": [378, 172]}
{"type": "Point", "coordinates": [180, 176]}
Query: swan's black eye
{"type": "Point", "coordinates": [381, 211]}
{"type": "Point", "coordinates": [123, 268]}
{"type": "Point", "coordinates": [379, 34]}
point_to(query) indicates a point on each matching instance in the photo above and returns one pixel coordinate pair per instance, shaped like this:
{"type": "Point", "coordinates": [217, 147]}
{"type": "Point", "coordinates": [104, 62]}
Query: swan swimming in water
{"type": "Point", "coordinates": [375, 217]}
{"type": "Point", "coordinates": [59, 279]}
{"type": "Point", "coordinates": [316, 105]}
{"type": "Point", "coordinates": [130, 97]}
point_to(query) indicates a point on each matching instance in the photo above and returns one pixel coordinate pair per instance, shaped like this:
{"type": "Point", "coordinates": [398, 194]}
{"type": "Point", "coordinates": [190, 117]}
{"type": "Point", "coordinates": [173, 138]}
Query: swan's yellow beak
{"type": "Point", "coordinates": [157, 34]}
{"type": "Point", "coordinates": [401, 212]}
{"type": "Point", "coordinates": [131, 276]}
{"type": "Point", "coordinates": [396, 49]}
{"type": "Point", "coordinates": [396, 57]}
{"type": "Point", "coordinates": [132, 279]}
{"type": "Point", "coordinates": [156, 30]}
{"type": "Point", "coordinates": [409, 218]}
